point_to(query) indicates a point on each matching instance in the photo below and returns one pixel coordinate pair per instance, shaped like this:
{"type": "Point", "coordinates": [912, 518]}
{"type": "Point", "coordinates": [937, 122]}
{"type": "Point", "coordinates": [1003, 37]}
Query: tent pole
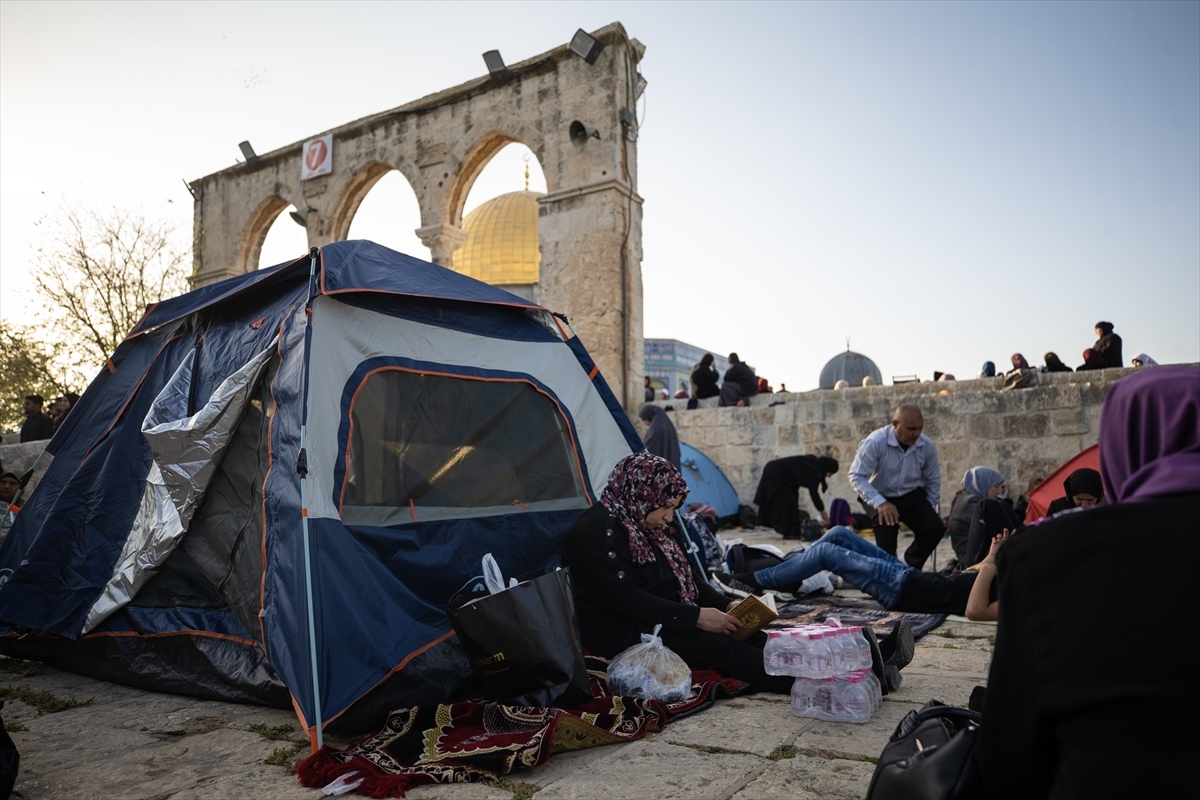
{"type": "Point", "coordinates": [302, 469]}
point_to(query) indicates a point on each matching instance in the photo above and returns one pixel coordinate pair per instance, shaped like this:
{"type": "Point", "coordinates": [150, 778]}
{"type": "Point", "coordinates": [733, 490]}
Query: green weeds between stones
{"type": "Point", "coordinates": [44, 702]}
{"type": "Point", "coordinates": [20, 666]}
{"type": "Point", "coordinates": [782, 752]}
{"type": "Point", "coordinates": [280, 756]}
{"type": "Point", "coordinates": [520, 789]}
{"type": "Point", "coordinates": [284, 756]}
{"type": "Point", "coordinates": [274, 733]}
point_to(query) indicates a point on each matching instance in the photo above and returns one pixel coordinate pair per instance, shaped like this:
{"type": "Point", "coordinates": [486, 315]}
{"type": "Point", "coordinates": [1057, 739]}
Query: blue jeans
{"type": "Point", "coordinates": [846, 553]}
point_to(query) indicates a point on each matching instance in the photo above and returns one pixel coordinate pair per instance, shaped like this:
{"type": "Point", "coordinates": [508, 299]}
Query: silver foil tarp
{"type": "Point", "coordinates": [187, 451]}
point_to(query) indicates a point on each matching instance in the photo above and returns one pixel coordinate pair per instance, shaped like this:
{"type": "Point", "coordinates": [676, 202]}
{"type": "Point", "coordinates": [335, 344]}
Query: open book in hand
{"type": "Point", "coordinates": [754, 613]}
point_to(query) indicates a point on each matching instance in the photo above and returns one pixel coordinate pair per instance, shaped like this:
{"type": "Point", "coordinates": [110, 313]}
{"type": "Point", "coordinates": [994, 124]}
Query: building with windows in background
{"type": "Point", "coordinates": [669, 363]}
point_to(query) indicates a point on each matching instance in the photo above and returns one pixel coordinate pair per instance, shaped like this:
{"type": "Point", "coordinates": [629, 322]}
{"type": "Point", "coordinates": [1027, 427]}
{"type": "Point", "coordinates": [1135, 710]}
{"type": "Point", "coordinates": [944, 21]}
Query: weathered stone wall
{"type": "Point", "coordinates": [590, 220]}
{"type": "Point", "coordinates": [1024, 433]}
{"type": "Point", "coordinates": [20, 457]}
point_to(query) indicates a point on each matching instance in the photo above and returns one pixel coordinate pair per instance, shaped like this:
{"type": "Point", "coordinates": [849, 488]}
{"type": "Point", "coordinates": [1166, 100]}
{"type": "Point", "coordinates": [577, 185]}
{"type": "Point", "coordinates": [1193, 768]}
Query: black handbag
{"type": "Point", "coordinates": [524, 642]}
{"type": "Point", "coordinates": [930, 757]}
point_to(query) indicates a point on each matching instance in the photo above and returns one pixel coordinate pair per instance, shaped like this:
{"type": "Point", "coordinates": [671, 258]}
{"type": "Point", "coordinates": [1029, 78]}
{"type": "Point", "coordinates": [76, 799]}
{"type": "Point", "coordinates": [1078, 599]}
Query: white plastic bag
{"type": "Point", "coordinates": [650, 670]}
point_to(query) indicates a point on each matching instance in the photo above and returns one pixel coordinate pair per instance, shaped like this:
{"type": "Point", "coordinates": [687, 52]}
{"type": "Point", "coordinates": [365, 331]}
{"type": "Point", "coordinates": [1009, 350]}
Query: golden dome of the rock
{"type": "Point", "coordinates": [502, 240]}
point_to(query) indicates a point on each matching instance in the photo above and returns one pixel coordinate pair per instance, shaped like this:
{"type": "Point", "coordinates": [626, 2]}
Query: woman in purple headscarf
{"type": "Point", "coordinates": [1057, 720]}
{"type": "Point", "coordinates": [631, 573]}
{"type": "Point", "coordinates": [1018, 363]}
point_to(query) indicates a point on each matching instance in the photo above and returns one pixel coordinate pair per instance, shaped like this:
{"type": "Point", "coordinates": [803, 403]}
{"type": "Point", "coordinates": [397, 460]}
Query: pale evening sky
{"type": "Point", "coordinates": [944, 183]}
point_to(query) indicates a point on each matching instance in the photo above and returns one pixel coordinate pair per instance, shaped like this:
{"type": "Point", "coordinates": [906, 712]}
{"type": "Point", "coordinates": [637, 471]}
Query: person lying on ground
{"type": "Point", "coordinates": [628, 563]}
{"type": "Point", "coordinates": [982, 606]}
{"type": "Point", "coordinates": [1083, 489]}
{"type": "Point", "coordinates": [896, 585]}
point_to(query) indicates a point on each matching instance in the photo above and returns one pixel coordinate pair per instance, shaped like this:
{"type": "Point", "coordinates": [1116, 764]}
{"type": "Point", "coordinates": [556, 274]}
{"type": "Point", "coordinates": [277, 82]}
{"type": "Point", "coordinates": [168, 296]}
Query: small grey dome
{"type": "Point", "coordinates": [851, 367]}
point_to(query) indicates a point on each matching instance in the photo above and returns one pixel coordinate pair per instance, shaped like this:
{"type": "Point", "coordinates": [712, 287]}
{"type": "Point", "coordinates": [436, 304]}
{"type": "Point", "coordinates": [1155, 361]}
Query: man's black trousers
{"type": "Point", "coordinates": [918, 515]}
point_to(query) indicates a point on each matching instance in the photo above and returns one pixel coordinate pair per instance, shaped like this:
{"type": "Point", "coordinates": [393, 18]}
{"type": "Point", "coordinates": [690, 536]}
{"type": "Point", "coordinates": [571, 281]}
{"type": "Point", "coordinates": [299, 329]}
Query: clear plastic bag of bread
{"type": "Point", "coordinates": [651, 671]}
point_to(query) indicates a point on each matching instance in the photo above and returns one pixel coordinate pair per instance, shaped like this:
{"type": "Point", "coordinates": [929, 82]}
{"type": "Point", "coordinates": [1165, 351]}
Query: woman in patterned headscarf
{"type": "Point", "coordinates": [631, 572]}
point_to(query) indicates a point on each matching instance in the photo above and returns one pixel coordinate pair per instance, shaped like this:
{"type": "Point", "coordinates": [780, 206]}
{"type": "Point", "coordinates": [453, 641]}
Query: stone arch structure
{"type": "Point", "coordinates": [255, 233]}
{"type": "Point", "coordinates": [476, 160]}
{"type": "Point", "coordinates": [590, 218]}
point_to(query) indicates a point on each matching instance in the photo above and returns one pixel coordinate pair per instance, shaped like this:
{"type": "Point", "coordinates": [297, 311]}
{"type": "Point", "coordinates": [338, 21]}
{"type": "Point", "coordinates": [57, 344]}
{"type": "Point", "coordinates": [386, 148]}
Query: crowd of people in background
{"type": "Point", "coordinates": [1104, 354]}
{"type": "Point", "coordinates": [740, 383]}
{"type": "Point", "coordinates": [42, 424]}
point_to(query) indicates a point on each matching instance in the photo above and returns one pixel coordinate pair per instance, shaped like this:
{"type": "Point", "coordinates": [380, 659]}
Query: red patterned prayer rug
{"type": "Point", "coordinates": [463, 742]}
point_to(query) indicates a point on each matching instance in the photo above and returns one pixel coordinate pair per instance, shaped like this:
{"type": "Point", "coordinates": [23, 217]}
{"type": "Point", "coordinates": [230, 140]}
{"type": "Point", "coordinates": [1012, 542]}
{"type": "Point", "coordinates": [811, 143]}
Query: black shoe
{"type": "Point", "coordinates": [877, 663]}
{"type": "Point", "coordinates": [898, 646]}
{"type": "Point", "coordinates": [739, 586]}
{"type": "Point", "coordinates": [891, 679]}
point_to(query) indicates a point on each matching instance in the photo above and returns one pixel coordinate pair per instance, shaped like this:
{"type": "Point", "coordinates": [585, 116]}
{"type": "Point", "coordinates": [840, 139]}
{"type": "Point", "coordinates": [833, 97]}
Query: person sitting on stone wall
{"type": "Point", "coordinates": [1018, 363]}
{"type": "Point", "coordinates": [705, 378]}
{"type": "Point", "coordinates": [1054, 364]}
{"type": "Point", "coordinates": [1143, 360]}
{"type": "Point", "coordinates": [1108, 345]}
{"type": "Point", "coordinates": [740, 383]}
{"type": "Point", "coordinates": [1091, 360]}
{"type": "Point", "coordinates": [989, 370]}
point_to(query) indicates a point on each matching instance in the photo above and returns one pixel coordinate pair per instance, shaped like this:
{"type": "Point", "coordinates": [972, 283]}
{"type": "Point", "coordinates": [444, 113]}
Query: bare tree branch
{"type": "Point", "coordinates": [98, 272]}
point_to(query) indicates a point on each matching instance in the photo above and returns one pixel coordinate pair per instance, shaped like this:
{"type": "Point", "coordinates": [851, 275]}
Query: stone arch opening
{"type": "Point", "coordinates": [283, 240]}
{"type": "Point", "coordinates": [472, 164]}
{"type": "Point", "coordinates": [501, 222]}
{"type": "Point", "coordinates": [503, 173]}
{"type": "Point", "coordinates": [380, 204]}
{"type": "Point", "coordinates": [254, 235]}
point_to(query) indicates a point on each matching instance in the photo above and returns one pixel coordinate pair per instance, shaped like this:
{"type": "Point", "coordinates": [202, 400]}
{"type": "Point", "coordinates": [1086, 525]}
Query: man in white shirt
{"type": "Point", "coordinates": [896, 473]}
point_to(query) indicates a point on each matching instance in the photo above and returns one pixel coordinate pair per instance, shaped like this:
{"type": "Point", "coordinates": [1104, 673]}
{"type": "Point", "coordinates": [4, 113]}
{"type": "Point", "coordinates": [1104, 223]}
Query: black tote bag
{"type": "Point", "coordinates": [930, 757]}
{"type": "Point", "coordinates": [524, 642]}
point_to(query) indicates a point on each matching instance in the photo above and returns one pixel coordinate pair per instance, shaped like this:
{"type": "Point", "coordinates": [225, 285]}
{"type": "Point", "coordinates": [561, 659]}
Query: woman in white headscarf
{"type": "Point", "coordinates": [979, 483]}
{"type": "Point", "coordinates": [1143, 360]}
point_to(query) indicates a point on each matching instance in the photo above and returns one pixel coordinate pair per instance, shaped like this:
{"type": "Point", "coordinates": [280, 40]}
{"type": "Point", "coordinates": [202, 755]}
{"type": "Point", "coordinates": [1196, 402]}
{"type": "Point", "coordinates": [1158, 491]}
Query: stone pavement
{"type": "Point", "coordinates": [128, 743]}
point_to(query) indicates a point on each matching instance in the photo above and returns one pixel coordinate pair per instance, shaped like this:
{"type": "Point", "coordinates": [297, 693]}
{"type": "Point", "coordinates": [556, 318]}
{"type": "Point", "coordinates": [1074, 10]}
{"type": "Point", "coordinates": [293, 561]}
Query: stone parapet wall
{"type": "Point", "coordinates": [1023, 433]}
{"type": "Point", "coordinates": [20, 457]}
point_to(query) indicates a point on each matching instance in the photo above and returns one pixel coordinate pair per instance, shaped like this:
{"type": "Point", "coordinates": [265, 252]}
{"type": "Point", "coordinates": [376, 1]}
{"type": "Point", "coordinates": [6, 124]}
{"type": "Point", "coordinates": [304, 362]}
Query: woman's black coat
{"type": "Point", "coordinates": [617, 599]}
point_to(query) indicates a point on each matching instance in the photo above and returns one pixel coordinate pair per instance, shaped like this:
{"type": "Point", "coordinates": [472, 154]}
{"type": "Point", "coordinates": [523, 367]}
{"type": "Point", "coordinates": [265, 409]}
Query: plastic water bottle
{"type": "Point", "coordinates": [824, 699]}
{"type": "Point", "coordinates": [802, 692]}
{"type": "Point", "coordinates": [836, 653]}
{"type": "Point", "coordinates": [864, 648]}
{"type": "Point", "coordinates": [820, 660]}
{"type": "Point", "coordinates": [771, 652]}
{"type": "Point", "coordinates": [873, 684]}
{"type": "Point", "coordinates": [855, 700]}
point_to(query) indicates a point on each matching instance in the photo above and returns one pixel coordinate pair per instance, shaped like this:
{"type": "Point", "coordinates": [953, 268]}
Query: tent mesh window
{"type": "Point", "coordinates": [444, 442]}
